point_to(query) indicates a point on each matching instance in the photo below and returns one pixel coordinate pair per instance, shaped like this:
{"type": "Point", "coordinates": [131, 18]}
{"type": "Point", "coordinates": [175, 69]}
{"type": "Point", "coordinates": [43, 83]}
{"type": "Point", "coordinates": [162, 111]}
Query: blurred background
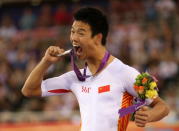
{"type": "Point", "coordinates": [143, 34]}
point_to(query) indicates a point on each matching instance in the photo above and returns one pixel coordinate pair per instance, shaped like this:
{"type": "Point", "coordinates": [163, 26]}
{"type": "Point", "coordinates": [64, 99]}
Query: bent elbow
{"type": "Point", "coordinates": [25, 92]}
{"type": "Point", "coordinates": [31, 92]}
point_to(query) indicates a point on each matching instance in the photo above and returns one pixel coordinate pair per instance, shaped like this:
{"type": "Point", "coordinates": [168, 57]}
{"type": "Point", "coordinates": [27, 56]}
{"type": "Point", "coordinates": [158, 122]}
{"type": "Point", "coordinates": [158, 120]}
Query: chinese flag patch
{"type": "Point", "coordinates": [104, 89]}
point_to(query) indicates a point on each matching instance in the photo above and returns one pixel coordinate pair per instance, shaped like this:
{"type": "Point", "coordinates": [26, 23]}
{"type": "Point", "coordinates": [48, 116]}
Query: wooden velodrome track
{"type": "Point", "coordinates": [66, 126]}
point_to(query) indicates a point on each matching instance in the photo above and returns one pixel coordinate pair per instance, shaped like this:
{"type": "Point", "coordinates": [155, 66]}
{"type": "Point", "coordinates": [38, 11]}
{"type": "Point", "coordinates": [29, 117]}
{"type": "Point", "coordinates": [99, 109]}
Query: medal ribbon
{"type": "Point", "coordinates": [131, 109]}
{"type": "Point", "coordinates": [82, 77]}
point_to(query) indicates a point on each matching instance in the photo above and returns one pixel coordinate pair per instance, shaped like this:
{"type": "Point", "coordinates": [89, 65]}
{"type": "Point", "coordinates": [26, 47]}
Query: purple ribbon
{"type": "Point", "coordinates": [131, 109]}
{"type": "Point", "coordinates": [82, 77]}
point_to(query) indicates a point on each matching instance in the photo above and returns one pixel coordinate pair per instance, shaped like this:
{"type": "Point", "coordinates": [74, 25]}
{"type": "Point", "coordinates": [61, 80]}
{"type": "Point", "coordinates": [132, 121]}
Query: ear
{"type": "Point", "coordinates": [98, 38]}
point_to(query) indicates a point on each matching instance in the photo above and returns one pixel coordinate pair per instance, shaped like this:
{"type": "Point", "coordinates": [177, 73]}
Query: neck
{"type": "Point", "coordinates": [95, 59]}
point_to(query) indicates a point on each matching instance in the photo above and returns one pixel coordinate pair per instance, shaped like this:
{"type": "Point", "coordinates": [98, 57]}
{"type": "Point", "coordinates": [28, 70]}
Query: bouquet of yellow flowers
{"type": "Point", "coordinates": [146, 86]}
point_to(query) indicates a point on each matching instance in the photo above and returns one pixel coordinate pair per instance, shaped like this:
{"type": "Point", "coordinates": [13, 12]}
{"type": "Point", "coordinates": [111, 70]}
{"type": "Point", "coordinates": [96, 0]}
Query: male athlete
{"type": "Point", "coordinates": [107, 85]}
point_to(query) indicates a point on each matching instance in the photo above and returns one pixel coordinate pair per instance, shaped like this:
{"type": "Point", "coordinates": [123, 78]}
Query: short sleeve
{"type": "Point", "coordinates": [57, 85]}
{"type": "Point", "coordinates": [130, 77]}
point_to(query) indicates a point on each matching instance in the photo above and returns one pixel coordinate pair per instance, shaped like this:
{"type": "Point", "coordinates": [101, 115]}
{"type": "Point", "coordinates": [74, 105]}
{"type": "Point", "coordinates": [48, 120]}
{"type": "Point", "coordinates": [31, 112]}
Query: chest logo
{"type": "Point", "coordinates": [105, 88]}
{"type": "Point", "coordinates": [85, 89]}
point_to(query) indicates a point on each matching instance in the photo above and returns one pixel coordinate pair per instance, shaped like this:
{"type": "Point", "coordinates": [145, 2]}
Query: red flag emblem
{"type": "Point", "coordinates": [104, 89]}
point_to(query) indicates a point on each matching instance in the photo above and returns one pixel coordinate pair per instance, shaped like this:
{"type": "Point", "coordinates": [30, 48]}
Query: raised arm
{"type": "Point", "coordinates": [32, 86]}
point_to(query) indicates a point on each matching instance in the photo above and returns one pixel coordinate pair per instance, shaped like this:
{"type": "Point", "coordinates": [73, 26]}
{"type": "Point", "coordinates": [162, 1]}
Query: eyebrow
{"type": "Point", "coordinates": [80, 29]}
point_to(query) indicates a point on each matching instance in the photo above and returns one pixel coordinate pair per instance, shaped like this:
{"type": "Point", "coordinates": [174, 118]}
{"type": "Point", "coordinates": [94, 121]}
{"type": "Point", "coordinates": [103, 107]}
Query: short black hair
{"type": "Point", "coordinates": [96, 19]}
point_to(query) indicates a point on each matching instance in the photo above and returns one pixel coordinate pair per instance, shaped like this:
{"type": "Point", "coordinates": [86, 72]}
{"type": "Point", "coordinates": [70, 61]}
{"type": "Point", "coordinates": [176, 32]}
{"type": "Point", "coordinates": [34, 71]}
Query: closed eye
{"type": "Point", "coordinates": [81, 34]}
{"type": "Point", "coordinates": [72, 32]}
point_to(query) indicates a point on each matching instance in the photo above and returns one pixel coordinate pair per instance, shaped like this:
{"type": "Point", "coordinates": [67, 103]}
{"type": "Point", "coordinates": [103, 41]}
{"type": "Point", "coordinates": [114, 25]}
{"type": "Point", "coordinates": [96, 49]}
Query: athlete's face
{"type": "Point", "coordinates": [81, 35]}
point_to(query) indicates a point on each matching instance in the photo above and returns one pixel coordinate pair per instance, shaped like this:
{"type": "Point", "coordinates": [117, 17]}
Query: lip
{"type": "Point", "coordinates": [75, 45]}
{"type": "Point", "coordinates": [78, 49]}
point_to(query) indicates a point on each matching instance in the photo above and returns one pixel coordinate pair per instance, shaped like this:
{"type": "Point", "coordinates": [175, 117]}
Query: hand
{"type": "Point", "coordinates": [142, 116]}
{"type": "Point", "coordinates": [51, 54]}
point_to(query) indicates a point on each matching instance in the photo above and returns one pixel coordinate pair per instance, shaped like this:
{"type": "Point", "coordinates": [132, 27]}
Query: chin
{"type": "Point", "coordinates": [81, 57]}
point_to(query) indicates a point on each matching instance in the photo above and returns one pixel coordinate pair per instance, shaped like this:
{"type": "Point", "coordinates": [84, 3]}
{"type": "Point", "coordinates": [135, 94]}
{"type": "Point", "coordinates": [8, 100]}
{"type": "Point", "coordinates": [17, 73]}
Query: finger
{"type": "Point", "coordinates": [140, 108]}
{"type": "Point", "coordinates": [54, 50]}
{"type": "Point", "coordinates": [141, 113]}
{"type": "Point", "coordinates": [145, 108]}
{"type": "Point", "coordinates": [143, 118]}
{"type": "Point", "coordinates": [140, 121]}
{"type": "Point", "coordinates": [140, 125]}
{"type": "Point", "coordinates": [60, 51]}
{"type": "Point", "coordinates": [57, 50]}
{"type": "Point", "coordinates": [51, 50]}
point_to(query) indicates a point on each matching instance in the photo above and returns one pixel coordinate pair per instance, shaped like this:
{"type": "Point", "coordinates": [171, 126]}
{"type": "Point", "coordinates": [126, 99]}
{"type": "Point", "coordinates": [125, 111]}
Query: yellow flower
{"type": "Point", "coordinates": [151, 94]}
{"type": "Point", "coordinates": [153, 85]}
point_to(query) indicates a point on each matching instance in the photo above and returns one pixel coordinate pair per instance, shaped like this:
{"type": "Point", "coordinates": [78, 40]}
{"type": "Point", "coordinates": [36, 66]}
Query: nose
{"type": "Point", "coordinates": [74, 38]}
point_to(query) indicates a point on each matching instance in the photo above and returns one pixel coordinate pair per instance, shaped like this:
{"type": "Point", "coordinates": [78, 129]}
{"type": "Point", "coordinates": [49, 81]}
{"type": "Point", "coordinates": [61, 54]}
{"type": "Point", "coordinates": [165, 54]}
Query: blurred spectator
{"type": "Point", "coordinates": [7, 27]}
{"type": "Point", "coordinates": [45, 17]}
{"type": "Point", "coordinates": [165, 8]}
{"type": "Point", "coordinates": [152, 41]}
{"type": "Point", "coordinates": [4, 71]}
{"type": "Point", "coordinates": [27, 21]}
{"type": "Point", "coordinates": [3, 101]}
{"type": "Point", "coordinates": [62, 17]}
{"type": "Point", "coordinates": [168, 68]}
{"type": "Point", "coordinates": [118, 32]}
{"type": "Point", "coordinates": [136, 39]}
{"type": "Point", "coordinates": [20, 60]}
{"type": "Point", "coordinates": [151, 12]}
{"type": "Point", "coordinates": [14, 84]}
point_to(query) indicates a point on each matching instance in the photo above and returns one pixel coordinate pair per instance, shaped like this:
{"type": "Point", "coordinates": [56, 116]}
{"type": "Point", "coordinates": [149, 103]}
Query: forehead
{"type": "Point", "coordinates": [79, 25]}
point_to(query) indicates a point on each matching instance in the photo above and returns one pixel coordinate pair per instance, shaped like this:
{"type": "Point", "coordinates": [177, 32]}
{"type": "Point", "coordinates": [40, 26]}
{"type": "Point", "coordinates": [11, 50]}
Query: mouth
{"type": "Point", "coordinates": [77, 49]}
